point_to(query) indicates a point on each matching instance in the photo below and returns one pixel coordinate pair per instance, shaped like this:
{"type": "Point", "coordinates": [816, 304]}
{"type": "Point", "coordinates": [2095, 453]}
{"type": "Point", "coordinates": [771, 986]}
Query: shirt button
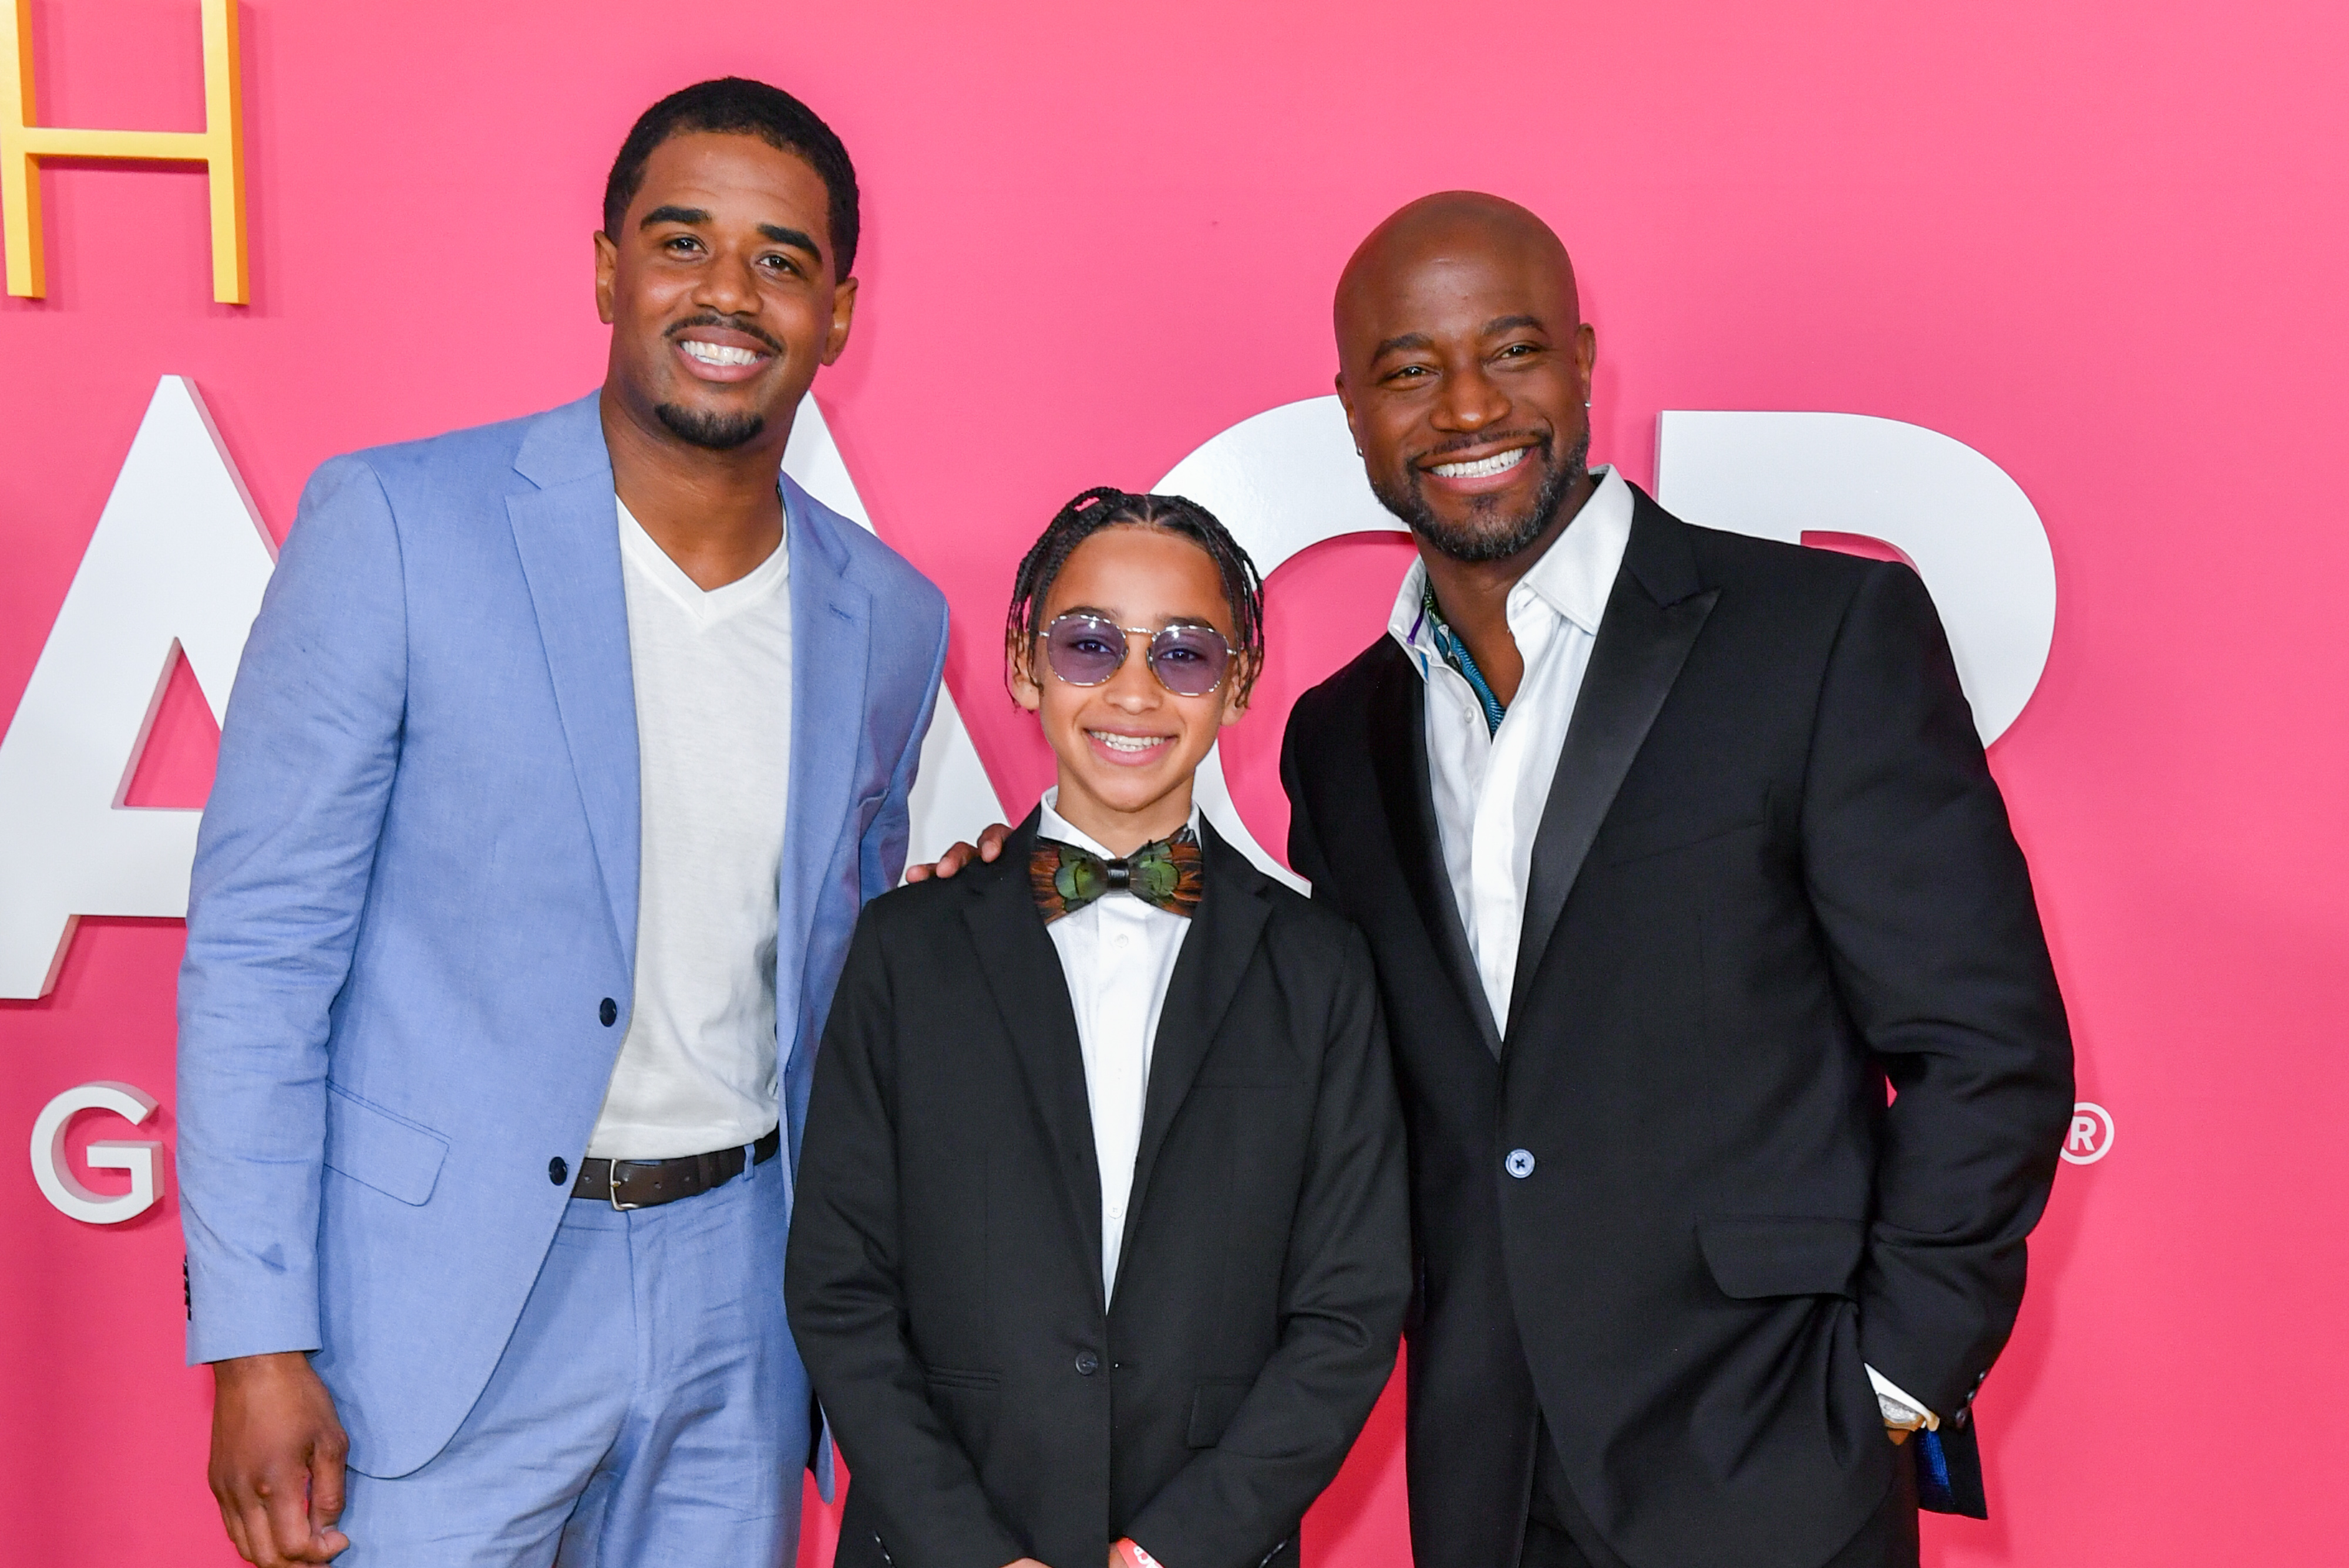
{"type": "Point", "coordinates": [1520, 1163]}
{"type": "Point", "coordinates": [1087, 1363]}
{"type": "Point", "coordinates": [558, 1170]}
{"type": "Point", "coordinates": [1124, 940]}
{"type": "Point", "coordinates": [609, 1011]}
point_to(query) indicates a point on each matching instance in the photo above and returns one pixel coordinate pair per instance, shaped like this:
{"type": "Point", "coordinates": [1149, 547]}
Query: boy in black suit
{"type": "Point", "coordinates": [1101, 1245]}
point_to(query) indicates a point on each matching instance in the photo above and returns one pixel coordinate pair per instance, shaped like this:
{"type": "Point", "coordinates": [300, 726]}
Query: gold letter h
{"type": "Point", "coordinates": [219, 147]}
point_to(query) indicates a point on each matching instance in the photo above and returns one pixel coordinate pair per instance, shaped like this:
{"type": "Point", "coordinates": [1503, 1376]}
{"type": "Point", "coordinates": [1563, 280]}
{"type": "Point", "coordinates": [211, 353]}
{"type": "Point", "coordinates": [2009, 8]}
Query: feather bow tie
{"type": "Point", "coordinates": [1168, 873]}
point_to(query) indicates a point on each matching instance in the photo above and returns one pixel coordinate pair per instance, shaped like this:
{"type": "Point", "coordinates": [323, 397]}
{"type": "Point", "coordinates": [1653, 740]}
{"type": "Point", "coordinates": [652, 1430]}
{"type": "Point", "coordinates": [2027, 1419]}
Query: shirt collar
{"type": "Point", "coordinates": [1055, 827]}
{"type": "Point", "coordinates": [1573, 577]}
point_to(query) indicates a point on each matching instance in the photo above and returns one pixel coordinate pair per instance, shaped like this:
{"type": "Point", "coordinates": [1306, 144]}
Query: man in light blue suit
{"type": "Point", "coordinates": [562, 755]}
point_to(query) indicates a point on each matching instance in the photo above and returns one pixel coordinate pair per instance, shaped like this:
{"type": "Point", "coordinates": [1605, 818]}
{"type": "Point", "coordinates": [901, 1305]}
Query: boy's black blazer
{"type": "Point", "coordinates": [1772, 872]}
{"type": "Point", "coordinates": [945, 1269]}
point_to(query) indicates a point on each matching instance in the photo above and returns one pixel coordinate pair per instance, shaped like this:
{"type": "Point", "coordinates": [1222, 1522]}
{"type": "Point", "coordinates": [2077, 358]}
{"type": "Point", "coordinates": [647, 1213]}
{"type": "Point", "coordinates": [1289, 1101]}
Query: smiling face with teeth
{"type": "Point", "coordinates": [1464, 368]}
{"type": "Point", "coordinates": [1127, 748]}
{"type": "Point", "coordinates": [719, 291]}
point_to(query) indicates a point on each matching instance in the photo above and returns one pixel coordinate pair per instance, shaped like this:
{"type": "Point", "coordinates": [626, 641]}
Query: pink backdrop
{"type": "Point", "coordinates": [2101, 243]}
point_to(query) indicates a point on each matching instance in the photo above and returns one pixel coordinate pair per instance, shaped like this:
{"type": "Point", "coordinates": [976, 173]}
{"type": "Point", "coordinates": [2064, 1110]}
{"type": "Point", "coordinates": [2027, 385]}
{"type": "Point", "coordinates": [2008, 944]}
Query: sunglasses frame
{"type": "Point", "coordinates": [1125, 651]}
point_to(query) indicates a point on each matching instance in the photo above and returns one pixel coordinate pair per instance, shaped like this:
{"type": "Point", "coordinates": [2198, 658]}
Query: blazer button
{"type": "Point", "coordinates": [1520, 1163]}
{"type": "Point", "coordinates": [609, 1013]}
{"type": "Point", "coordinates": [557, 1171]}
{"type": "Point", "coordinates": [1087, 1363]}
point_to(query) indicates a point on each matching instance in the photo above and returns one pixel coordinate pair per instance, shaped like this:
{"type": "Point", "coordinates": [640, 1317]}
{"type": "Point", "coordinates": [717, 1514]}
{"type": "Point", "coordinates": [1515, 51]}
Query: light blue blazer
{"type": "Point", "coordinates": [416, 885]}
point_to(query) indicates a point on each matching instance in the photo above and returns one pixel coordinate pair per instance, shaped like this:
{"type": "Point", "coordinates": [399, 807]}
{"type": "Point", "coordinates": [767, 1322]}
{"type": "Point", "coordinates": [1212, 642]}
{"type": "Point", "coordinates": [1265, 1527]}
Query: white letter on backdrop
{"type": "Point", "coordinates": [177, 564]}
{"type": "Point", "coordinates": [141, 1158]}
{"type": "Point", "coordinates": [1288, 478]}
{"type": "Point", "coordinates": [1962, 523]}
{"type": "Point", "coordinates": [953, 797]}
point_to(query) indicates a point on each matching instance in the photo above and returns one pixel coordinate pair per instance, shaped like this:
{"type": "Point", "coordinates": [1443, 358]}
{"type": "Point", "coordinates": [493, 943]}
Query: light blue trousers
{"type": "Point", "coordinates": [650, 1408]}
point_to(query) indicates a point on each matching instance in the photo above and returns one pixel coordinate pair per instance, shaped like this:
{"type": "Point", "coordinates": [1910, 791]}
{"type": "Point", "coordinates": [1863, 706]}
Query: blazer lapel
{"type": "Point", "coordinates": [1656, 610]}
{"type": "Point", "coordinates": [1031, 996]}
{"type": "Point", "coordinates": [1216, 951]}
{"type": "Point", "coordinates": [567, 533]}
{"type": "Point", "coordinates": [830, 652]}
{"type": "Point", "coordinates": [1398, 722]}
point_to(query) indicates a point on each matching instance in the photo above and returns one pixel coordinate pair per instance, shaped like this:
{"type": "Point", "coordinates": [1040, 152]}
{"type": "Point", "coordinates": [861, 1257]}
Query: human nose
{"type": "Point", "coordinates": [729, 284]}
{"type": "Point", "coordinates": [1469, 401]}
{"type": "Point", "coordinates": [1135, 687]}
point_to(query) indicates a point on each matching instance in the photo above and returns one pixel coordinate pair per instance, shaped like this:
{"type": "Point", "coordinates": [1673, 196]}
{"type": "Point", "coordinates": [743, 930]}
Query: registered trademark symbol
{"type": "Point", "coordinates": [2091, 1137]}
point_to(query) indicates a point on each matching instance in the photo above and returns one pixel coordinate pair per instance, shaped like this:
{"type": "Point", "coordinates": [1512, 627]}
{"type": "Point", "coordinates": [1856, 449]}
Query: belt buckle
{"type": "Point", "coordinates": [613, 1192]}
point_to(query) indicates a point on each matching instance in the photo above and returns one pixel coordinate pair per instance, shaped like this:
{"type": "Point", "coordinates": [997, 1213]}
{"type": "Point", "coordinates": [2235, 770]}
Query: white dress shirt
{"type": "Point", "coordinates": [713, 687]}
{"type": "Point", "coordinates": [1117, 954]}
{"type": "Point", "coordinates": [1490, 785]}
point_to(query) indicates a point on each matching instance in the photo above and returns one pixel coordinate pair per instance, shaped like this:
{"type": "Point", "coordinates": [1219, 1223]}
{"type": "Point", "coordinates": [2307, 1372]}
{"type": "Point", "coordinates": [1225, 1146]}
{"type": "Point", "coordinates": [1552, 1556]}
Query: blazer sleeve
{"type": "Point", "coordinates": [881, 856]}
{"type": "Point", "coordinates": [846, 1301]}
{"type": "Point", "coordinates": [1347, 1279]}
{"type": "Point", "coordinates": [1929, 922]}
{"type": "Point", "coordinates": [284, 857]}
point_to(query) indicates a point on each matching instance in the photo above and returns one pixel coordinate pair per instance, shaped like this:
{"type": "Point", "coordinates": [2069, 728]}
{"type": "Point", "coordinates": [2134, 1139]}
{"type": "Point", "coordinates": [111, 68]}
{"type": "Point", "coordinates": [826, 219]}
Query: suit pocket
{"type": "Point", "coordinates": [1664, 835]}
{"type": "Point", "coordinates": [392, 1154]}
{"type": "Point", "coordinates": [1213, 1405]}
{"type": "Point", "coordinates": [1756, 1256]}
{"type": "Point", "coordinates": [966, 1402]}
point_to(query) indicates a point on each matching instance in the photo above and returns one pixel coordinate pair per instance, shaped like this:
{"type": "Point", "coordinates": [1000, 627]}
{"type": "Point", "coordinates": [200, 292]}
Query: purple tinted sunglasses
{"type": "Point", "coordinates": [1086, 649]}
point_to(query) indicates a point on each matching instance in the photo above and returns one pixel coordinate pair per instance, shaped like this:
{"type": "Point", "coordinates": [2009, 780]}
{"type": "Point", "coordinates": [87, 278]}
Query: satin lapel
{"type": "Point", "coordinates": [1031, 996]}
{"type": "Point", "coordinates": [567, 533]}
{"type": "Point", "coordinates": [832, 649]}
{"type": "Point", "coordinates": [1397, 724]}
{"type": "Point", "coordinates": [1216, 951]}
{"type": "Point", "coordinates": [1654, 613]}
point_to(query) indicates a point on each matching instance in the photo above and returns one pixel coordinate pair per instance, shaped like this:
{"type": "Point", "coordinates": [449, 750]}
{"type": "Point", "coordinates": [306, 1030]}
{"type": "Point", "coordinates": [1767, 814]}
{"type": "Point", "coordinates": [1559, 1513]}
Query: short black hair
{"type": "Point", "coordinates": [1106, 506]}
{"type": "Point", "coordinates": [739, 106]}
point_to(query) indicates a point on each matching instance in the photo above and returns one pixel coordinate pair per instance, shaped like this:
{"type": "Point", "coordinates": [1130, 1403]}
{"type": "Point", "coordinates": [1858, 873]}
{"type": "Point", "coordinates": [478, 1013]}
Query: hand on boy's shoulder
{"type": "Point", "coordinates": [957, 856]}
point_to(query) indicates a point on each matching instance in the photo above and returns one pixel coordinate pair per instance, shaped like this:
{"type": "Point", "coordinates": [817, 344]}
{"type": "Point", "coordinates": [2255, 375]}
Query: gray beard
{"type": "Point", "coordinates": [1500, 537]}
{"type": "Point", "coordinates": [714, 432]}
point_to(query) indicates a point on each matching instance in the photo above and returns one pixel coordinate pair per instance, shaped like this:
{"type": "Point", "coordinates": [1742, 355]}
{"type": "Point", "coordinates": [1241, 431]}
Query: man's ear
{"type": "Point", "coordinates": [1239, 686]}
{"type": "Point", "coordinates": [607, 272]}
{"type": "Point", "coordinates": [843, 312]}
{"type": "Point", "coordinates": [1020, 679]}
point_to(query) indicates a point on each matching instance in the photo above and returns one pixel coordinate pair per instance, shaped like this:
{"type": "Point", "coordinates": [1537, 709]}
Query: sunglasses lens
{"type": "Point", "coordinates": [1083, 651]}
{"type": "Point", "coordinates": [1190, 660]}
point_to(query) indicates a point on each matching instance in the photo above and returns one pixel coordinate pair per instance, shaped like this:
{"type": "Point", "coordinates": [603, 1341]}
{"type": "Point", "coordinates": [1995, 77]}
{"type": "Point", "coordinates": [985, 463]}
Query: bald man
{"type": "Point", "coordinates": [1675, 848]}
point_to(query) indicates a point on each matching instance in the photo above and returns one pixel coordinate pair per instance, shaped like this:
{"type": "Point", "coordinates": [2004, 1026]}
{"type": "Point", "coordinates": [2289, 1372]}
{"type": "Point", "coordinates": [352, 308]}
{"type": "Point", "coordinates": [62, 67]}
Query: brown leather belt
{"type": "Point", "coordinates": [643, 1183]}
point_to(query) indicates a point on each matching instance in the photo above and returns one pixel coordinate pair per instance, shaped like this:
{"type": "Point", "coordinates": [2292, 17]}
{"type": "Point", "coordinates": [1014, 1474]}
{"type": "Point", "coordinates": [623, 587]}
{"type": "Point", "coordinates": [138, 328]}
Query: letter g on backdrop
{"type": "Point", "coordinates": [1288, 479]}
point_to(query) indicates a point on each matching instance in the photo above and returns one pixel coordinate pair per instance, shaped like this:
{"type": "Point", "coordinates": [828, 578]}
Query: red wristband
{"type": "Point", "coordinates": [1129, 1552]}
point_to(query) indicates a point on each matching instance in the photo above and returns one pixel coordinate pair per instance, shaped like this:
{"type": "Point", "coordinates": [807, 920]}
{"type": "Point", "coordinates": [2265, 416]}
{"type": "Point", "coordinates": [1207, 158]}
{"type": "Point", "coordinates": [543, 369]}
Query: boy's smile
{"type": "Point", "coordinates": [1127, 748]}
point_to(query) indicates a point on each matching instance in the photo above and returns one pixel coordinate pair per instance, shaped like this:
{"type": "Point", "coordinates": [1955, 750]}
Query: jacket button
{"type": "Point", "coordinates": [609, 1013]}
{"type": "Point", "coordinates": [1087, 1363]}
{"type": "Point", "coordinates": [557, 1171]}
{"type": "Point", "coordinates": [1520, 1163]}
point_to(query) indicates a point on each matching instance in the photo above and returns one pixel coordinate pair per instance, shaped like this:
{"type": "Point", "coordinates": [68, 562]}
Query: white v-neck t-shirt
{"type": "Point", "coordinates": [713, 683]}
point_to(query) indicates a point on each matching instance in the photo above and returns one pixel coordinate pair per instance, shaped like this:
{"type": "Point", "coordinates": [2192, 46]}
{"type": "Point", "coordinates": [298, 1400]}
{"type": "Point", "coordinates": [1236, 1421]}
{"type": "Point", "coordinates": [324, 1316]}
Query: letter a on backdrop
{"type": "Point", "coordinates": [177, 565]}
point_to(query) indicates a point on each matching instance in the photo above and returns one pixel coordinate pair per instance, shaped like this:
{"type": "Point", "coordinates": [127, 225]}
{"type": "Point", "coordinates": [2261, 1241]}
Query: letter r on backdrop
{"type": "Point", "coordinates": [219, 147]}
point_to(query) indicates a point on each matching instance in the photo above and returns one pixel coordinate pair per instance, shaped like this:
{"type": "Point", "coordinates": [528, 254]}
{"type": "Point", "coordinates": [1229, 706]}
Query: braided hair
{"type": "Point", "coordinates": [1106, 506]}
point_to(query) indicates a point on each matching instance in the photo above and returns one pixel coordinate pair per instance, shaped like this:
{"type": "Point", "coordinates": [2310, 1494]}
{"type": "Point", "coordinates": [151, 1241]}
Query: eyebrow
{"type": "Point", "coordinates": [1413, 340]}
{"type": "Point", "coordinates": [792, 237]}
{"type": "Point", "coordinates": [696, 216]}
{"type": "Point", "coordinates": [1401, 341]}
{"type": "Point", "coordinates": [1500, 324]}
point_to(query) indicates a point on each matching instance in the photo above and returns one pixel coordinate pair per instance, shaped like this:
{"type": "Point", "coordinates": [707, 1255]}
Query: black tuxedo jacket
{"type": "Point", "coordinates": [945, 1269]}
{"type": "Point", "coordinates": [1772, 873]}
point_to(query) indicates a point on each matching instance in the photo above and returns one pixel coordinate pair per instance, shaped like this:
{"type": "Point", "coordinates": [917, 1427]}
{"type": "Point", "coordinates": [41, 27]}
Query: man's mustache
{"type": "Point", "coordinates": [729, 324]}
{"type": "Point", "coordinates": [1540, 439]}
